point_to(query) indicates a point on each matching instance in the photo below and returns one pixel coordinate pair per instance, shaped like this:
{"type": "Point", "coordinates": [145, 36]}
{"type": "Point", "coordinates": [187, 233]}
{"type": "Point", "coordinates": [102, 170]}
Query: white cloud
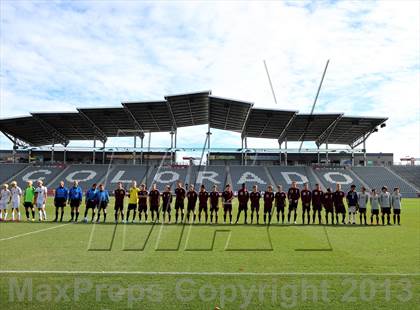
{"type": "Point", "coordinates": [58, 57]}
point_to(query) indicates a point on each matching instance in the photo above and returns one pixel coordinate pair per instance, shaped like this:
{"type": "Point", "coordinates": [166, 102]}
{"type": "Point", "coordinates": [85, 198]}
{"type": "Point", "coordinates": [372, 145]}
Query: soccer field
{"type": "Point", "coordinates": [99, 266]}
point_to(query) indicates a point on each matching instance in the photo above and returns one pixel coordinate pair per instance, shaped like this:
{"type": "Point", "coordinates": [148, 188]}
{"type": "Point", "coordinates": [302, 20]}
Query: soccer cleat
{"type": "Point", "coordinates": [295, 222]}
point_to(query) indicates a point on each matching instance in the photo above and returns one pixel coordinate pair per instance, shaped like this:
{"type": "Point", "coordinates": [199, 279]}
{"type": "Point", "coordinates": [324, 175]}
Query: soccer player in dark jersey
{"type": "Point", "coordinates": [293, 196]}
{"type": "Point", "coordinates": [203, 197]}
{"type": "Point", "coordinates": [179, 201]}
{"type": "Point", "coordinates": [317, 195]}
{"type": "Point", "coordinates": [154, 197]}
{"type": "Point", "coordinates": [255, 196]}
{"type": "Point", "coordinates": [166, 203]}
{"type": "Point", "coordinates": [60, 198]}
{"type": "Point", "coordinates": [339, 207]}
{"type": "Point", "coordinates": [328, 202]}
{"type": "Point", "coordinates": [119, 195]}
{"type": "Point", "coordinates": [191, 202]}
{"type": "Point", "coordinates": [280, 200]}
{"type": "Point", "coordinates": [268, 203]}
{"type": "Point", "coordinates": [143, 194]}
{"type": "Point", "coordinates": [227, 203]}
{"type": "Point", "coordinates": [91, 201]}
{"type": "Point", "coordinates": [243, 197]}
{"type": "Point", "coordinates": [306, 197]}
{"type": "Point", "coordinates": [75, 199]}
{"type": "Point", "coordinates": [214, 204]}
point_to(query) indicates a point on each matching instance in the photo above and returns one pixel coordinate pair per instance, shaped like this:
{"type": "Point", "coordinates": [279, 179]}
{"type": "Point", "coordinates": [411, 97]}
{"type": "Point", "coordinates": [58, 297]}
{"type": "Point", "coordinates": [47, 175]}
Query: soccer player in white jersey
{"type": "Point", "coordinates": [16, 192]}
{"type": "Point", "coordinates": [363, 198]}
{"type": "Point", "coordinates": [374, 204]}
{"type": "Point", "coordinates": [385, 203]}
{"type": "Point", "coordinates": [41, 200]}
{"type": "Point", "coordinates": [5, 197]}
{"type": "Point", "coordinates": [396, 205]}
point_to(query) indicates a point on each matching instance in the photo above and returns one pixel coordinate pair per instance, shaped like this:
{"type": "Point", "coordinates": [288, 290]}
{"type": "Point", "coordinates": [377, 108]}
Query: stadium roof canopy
{"type": "Point", "coordinates": [136, 118]}
{"type": "Point", "coordinates": [351, 130]}
{"type": "Point", "coordinates": [271, 124]}
{"type": "Point", "coordinates": [228, 114]}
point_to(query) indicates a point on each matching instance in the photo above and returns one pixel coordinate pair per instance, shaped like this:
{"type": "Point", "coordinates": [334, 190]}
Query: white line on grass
{"type": "Point", "coordinates": [188, 273]}
{"type": "Point", "coordinates": [33, 232]}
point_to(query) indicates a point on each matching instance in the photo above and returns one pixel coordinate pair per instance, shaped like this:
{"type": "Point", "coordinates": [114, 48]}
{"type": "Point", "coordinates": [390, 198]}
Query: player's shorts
{"type": "Point", "coordinates": [142, 208]}
{"type": "Point", "coordinates": [40, 205]}
{"type": "Point", "coordinates": [154, 208]}
{"type": "Point", "coordinates": [60, 202]}
{"type": "Point", "coordinates": [227, 207]}
{"type": "Point", "coordinates": [386, 210]}
{"type": "Point", "coordinates": [15, 204]}
{"type": "Point", "coordinates": [306, 207]}
{"type": "Point", "coordinates": [3, 205]}
{"type": "Point", "coordinates": [132, 206]}
{"type": "Point", "coordinates": [375, 211]}
{"type": "Point", "coordinates": [191, 207]}
{"type": "Point", "coordinates": [329, 209]}
{"type": "Point", "coordinates": [103, 205]}
{"type": "Point", "coordinates": [179, 205]}
{"type": "Point", "coordinates": [317, 207]}
{"type": "Point", "coordinates": [293, 206]}
{"type": "Point", "coordinates": [90, 204]}
{"type": "Point", "coordinates": [214, 207]}
{"type": "Point", "coordinates": [74, 203]}
{"type": "Point", "coordinates": [255, 207]}
{"type": "Point", "coordinates": [202, 208]}
{"type": "Point", "coordinates": [166, 207]}
{"type": "Point", "coordinates": [280, 209]}
{"type": "Point", "coordinates": [267, 209]}
{"type": "Point", "coordinates": [340, 209]}
{"type": "Point", "coordinates": [28, 204]}
{"type": "Point", "coordinates": [362, 210]}
{"type": "Point", "coordinates": [396, 211]}
{"type": "Point", "coordinates": [243, 206]}
{"type": "Point", "coordinates": [352, 209]}
{"type": "Point", "coordinates": [119, 207]}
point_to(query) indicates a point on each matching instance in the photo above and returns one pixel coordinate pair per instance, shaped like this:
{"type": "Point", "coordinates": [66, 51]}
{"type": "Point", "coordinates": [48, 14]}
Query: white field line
{"type": "Point", "coordinates": [172, 273]}
{"type": "Point", "coordinates": [33, 232]}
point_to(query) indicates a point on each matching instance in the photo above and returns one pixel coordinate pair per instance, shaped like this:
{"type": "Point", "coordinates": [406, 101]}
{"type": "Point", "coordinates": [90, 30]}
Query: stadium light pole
{"type": "Point", "coordinates": [172, 145]}
{"type": "Point", "coordinates": [279, 152]}
{"type": "Point", "coordinates": [14, 151]}
{"type": "Point", "coordinates": [52, 153]}
{"type": "Point", "coordinates": [103, 152]}
{"type": "Point", "coordinates": [134, 149]}
{"type": "Point", "coordinates": [285, 151]}
{"type": "Point", "coordinates": [364, 153]}
{"type": "Point", "coordinates": [326, 152]}
{"type": "Point", "coordinates": [318, 155]}
{"type": "Point", "coordinates": [93, 153]}
{"type": "Point", "coordinates": [245, 154]}
{"type": "Point", "coordinates": [141, 146]}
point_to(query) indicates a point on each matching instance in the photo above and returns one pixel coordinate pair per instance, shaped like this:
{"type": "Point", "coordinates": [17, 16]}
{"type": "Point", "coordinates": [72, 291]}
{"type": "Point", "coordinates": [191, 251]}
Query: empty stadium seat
{"type": "Point", "coordinates": [331, 176]}
{"type": "Point", "coordinates": [209, 176]}
{"type": "Point", "coordinates": [284, 175]}
{"type": "Point", "coordinates": [8, 171]}
{"type": "Point", "coordinates": [409, 173]}
{"type": "Point", "coordinates": [376, 177]}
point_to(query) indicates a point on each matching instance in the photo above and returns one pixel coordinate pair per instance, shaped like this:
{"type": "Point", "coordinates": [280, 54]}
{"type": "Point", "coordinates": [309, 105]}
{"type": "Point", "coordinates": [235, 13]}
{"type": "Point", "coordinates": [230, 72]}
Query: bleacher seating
{"type": "Point", "coordinates": [209, 176]}
{"type": "Point", "coordinates": [34, 173]}
{"type": "Point", "coordinates": [284, 175]}
{"type": "Point", "coordinates": [125, 174]}
{"type": "Point", "coordinates": [249, 175]}
{"type": "Point", "coordinates": [376, 177]}
{"type": "Point", "coordinates": [7, 171]}
{"type": "Point", "coordinates": [373, 177]}
{"type": "Point", "coordinates": [85, 174]}
{"type": "Point", "coordinates": [166, 176]}
{"type": "Point", "coordinates": [329, 177]}
{"type": "Point", "coordinates": [409, 173]}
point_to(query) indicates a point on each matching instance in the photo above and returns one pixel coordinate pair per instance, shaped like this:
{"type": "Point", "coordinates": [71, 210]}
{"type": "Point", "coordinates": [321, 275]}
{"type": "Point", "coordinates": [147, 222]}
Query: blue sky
{"type": "Point", "coordinates": [62, 55]}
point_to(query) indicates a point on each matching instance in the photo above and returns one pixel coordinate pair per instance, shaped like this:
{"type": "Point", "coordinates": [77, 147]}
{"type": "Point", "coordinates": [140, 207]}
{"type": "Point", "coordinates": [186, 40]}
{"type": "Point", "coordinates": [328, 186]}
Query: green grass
{"type": "Point", "coordinates": [348, 266]}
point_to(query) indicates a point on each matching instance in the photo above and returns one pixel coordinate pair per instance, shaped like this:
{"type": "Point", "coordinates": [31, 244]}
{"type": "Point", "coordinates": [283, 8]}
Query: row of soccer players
{"type": "Point", "coordinates": [98, 199]}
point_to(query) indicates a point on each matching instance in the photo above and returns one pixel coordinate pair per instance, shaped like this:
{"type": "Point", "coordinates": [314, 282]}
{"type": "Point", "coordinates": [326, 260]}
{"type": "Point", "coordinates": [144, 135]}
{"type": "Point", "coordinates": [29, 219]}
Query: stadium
{"type": "Point", "coordinates": [95, 212]}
